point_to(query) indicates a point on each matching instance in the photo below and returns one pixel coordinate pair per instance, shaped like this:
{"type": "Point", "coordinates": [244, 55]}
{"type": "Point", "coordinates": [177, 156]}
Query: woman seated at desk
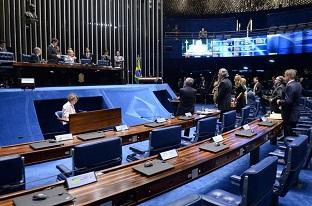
{"type": "Point", "coordinates": [69, 107]}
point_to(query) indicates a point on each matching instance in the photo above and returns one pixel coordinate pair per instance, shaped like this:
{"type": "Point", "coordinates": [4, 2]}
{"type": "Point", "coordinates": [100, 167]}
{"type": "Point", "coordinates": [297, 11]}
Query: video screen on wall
{"type": "Point", "coordinates": [276, 44]}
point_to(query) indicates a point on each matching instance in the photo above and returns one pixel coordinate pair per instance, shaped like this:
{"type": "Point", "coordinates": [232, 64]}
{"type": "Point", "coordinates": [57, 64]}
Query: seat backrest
{"type": "Point", "coordinates": [294, 154]}
{"type": "Point", "coordinates": [97, 155]}
{"type": "Point", "coordinates": [164, 139]}
{"type": "Point", "coordinates": [245, 115]}
{"type": "Point", "coordinates": [12, 176]}
{"type": "Point", "coordinates": [26, 58]}
{"type": "Point", "coordinates": [59, 114]}
{"type": "Point", "coordinates": [257, 182]}
{"type": "Point", "coordinates": [6, 56]}
{"type": "Point", "coordinates": [228, 121]}
{"type": "Point", "coordinates": [206, 128]}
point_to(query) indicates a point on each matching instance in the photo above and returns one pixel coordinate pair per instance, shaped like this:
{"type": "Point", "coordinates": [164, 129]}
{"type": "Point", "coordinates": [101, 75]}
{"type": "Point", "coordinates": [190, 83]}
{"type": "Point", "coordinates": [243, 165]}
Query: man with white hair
{"type": "Point", "coordinates": [223, 98]}
{"type": "Point", "coordinates": [290, 102]}
{"type": "Point", "coordinates": [187, 98]}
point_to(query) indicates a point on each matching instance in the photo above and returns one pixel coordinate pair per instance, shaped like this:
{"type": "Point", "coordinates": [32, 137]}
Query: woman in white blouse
{"type": "Point", "coordinates": [69, 106]}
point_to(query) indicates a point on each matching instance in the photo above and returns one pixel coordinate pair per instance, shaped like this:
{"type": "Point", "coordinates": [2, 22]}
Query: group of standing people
{"type": "Point", "coordinates": [284, 99]}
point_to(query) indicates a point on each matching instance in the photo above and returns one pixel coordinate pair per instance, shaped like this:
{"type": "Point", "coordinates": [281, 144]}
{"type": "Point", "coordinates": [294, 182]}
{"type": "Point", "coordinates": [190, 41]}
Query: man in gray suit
{"type": "Point", "coordinates": [290, 102]}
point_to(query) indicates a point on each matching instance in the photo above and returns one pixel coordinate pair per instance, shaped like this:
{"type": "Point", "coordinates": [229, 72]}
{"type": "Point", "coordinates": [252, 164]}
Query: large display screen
{"type": "Point", "coordinates": [276, 44]}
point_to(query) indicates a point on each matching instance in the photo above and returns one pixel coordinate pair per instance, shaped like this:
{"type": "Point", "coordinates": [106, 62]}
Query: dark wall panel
{"type": "Point", "coordinates": [132, 26]}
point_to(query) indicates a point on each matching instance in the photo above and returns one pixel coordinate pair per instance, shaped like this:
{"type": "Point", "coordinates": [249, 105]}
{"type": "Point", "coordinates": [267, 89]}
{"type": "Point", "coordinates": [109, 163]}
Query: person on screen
{"type": "Point", "coordinates": [203, 34]}
{"type": "Point", "coordinates": [36, 56]}
{"type": "Point", "coordinates": [71, 57]}
{"type": "Point", "coordinates": [69, 106]}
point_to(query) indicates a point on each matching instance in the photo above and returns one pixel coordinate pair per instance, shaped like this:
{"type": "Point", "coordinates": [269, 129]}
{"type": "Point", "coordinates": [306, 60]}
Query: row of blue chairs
{"type": "Point", "coordinates": [261, 184]}
{"type": "Point", "coordinates": [103, 154]}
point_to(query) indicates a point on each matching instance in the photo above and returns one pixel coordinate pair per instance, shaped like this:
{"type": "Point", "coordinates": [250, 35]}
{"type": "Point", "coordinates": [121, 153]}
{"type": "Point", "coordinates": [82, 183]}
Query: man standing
{"type": "Point", "coordinates": [223, 98]}
{"type": "Point", "coordinates": [290, 102]}
{"type": "Point", "coordinates": [257, 90]}
{"type": "Point", "coordinates": [53, 55]}
{"type": "Point", "coordinates": [3, 46]}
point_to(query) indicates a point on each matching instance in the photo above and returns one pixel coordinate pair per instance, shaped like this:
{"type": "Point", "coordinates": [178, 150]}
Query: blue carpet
{"type": "Point", "coordinates": [45, 173]}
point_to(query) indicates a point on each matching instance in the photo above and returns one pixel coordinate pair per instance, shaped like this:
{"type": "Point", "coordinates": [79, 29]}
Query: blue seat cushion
{"type": "Point", "coordinates": [222, 198]}
{"type": "Point", "coordinates": [189, 200]}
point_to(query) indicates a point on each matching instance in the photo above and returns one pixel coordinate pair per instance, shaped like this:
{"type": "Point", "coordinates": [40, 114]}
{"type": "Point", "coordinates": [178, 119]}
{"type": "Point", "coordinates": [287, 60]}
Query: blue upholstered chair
{"type": "Point", "coordinates": [256, 187]}
{"type": "Point", "coordinates": [160, 140]}
{"type": "Point", "coordinates": [288, 174]}
{"type": "Point", "coordinates": [93, 156]}
{"type": "Point", "coordinates": [12, 176]}
{"type": "Point", "coordinates": [243, 119]}
{"type": "Point", "coordinates": [254, 110]}
{"type": "Point", "coordinates": [26, 58]}
{"type": "Point", "coordinates": [205, 129]}
{"type": "Point", "coordinates": [228, 121]}
{"type": "Point", "coordinates": [6, 56]}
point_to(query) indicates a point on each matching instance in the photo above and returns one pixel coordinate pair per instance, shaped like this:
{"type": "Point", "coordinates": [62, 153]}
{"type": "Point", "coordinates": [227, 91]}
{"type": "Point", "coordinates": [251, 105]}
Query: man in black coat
{"type": "Point", "coordinates": [224, 91]}
{"type": "Point", "coordinates": [53, 56]}
{"type": "Point", "coordinates": [257, 90]}
{"type": "Point", "coordinates": [290, 102]}
{"type": "Point", "coordinates": [187, 97]}
{"type": "Point", "coordinates": [187, 100]}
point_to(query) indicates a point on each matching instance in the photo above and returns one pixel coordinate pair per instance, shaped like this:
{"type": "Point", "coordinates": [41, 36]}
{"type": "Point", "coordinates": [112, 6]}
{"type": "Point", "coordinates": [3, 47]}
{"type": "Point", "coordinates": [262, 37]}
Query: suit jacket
{"type": "Point", "coordinates": [187, 100]}
{"type": "Point", "coordinates": [290, 101]}
{"type": "Point", "coordinates": [224, 95]}
{"type": "Point", "coordinates": [84, 56]}
{"type": "Point", "coordinates": [34, 58]}
{"type": "Point", "coordinates": [258, 90]}
{"type": "Point", "coordinates": [52, 54]}
{"type": "Point", "coordinates": [276, 95]}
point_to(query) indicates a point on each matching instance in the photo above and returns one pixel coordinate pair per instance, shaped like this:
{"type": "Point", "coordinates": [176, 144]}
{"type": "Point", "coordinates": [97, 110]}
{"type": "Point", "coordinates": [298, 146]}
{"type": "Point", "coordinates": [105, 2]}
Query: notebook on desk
{"type": "Point", "coordinates": [45, 144]}
{"type": "Point", "coordinates": [157, 167]}
{"type": "Point", "coordinates": [267, 124]}
{"type": "Point", "coordinates": [245, 133]}
{"type": "Point", "coordinates": [154, 124]}
{"type": "Point", "coordinates": [91, 135]}
{"type": "Point", "coordinates": [55, 196]}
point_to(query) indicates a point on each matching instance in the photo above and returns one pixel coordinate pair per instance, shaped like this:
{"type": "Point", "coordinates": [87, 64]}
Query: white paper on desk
{"type": "Point", "coordinates": [275, 116]}
{"type": "Point", "coordinates": [201, 115]}
{"type": "Point", "coordinates": [63, 137]}
{"type": "Point", "coordinates": [246, 127]}
{"type": "Point", "coordinates": [217, 138]}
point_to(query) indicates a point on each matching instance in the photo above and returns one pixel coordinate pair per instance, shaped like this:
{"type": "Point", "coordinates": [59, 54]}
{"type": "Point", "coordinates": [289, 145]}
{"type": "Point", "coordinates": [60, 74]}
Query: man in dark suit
{"type": "Point", "coordinates": [290, 102]}
{"type": "Point", "coordinates": [187, 97]}
{"type": "Point", "coordinates": [35, 57]}
{"type": "Point", "coordinates": [187, 100]}
{"type": "Point", "coordinates": [223, 98]}
{"type": "Point", "coordinates": [87, 54]}
{"type": "Point", "coordinates": [257, 90]}
{"type": "Point", "coordinates": [53, 56]}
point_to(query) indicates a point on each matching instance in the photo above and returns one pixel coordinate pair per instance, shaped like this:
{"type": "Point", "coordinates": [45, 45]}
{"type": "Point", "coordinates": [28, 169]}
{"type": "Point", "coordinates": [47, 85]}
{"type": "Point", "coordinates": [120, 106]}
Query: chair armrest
{"type": "Point", "coordinates": [64, 170]}
{"type": "Point", "coordinates": [138, 150]}
{"type": "Point", "coordinates": [282, 147]}
{"type": "Point", "coordinates": [235, 179]}
{"type": "Point", "coordinates": [304, 125]}
{"type": "Point", "coordinates": [277, 153]}
{"type": "Point", "coordinates": [300, 130]}
{"type": "Point", "coordinates": [186, 138]}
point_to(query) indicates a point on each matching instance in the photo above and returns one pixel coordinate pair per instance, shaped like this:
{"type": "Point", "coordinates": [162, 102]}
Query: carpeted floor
{"type": "Point", "coordinates": [45, 173]}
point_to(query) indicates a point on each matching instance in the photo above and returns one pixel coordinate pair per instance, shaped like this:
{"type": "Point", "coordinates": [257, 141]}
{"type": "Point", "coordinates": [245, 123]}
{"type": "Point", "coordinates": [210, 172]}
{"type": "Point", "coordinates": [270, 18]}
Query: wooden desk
{"type": "Point", "coordinates": [65, 74]}
{"type": "Point", "coordinates": [94, 120]}
{"type": "Point", "coordinates": [134, 134]}
{"type": "Point", "coordinates": [123, 186]}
